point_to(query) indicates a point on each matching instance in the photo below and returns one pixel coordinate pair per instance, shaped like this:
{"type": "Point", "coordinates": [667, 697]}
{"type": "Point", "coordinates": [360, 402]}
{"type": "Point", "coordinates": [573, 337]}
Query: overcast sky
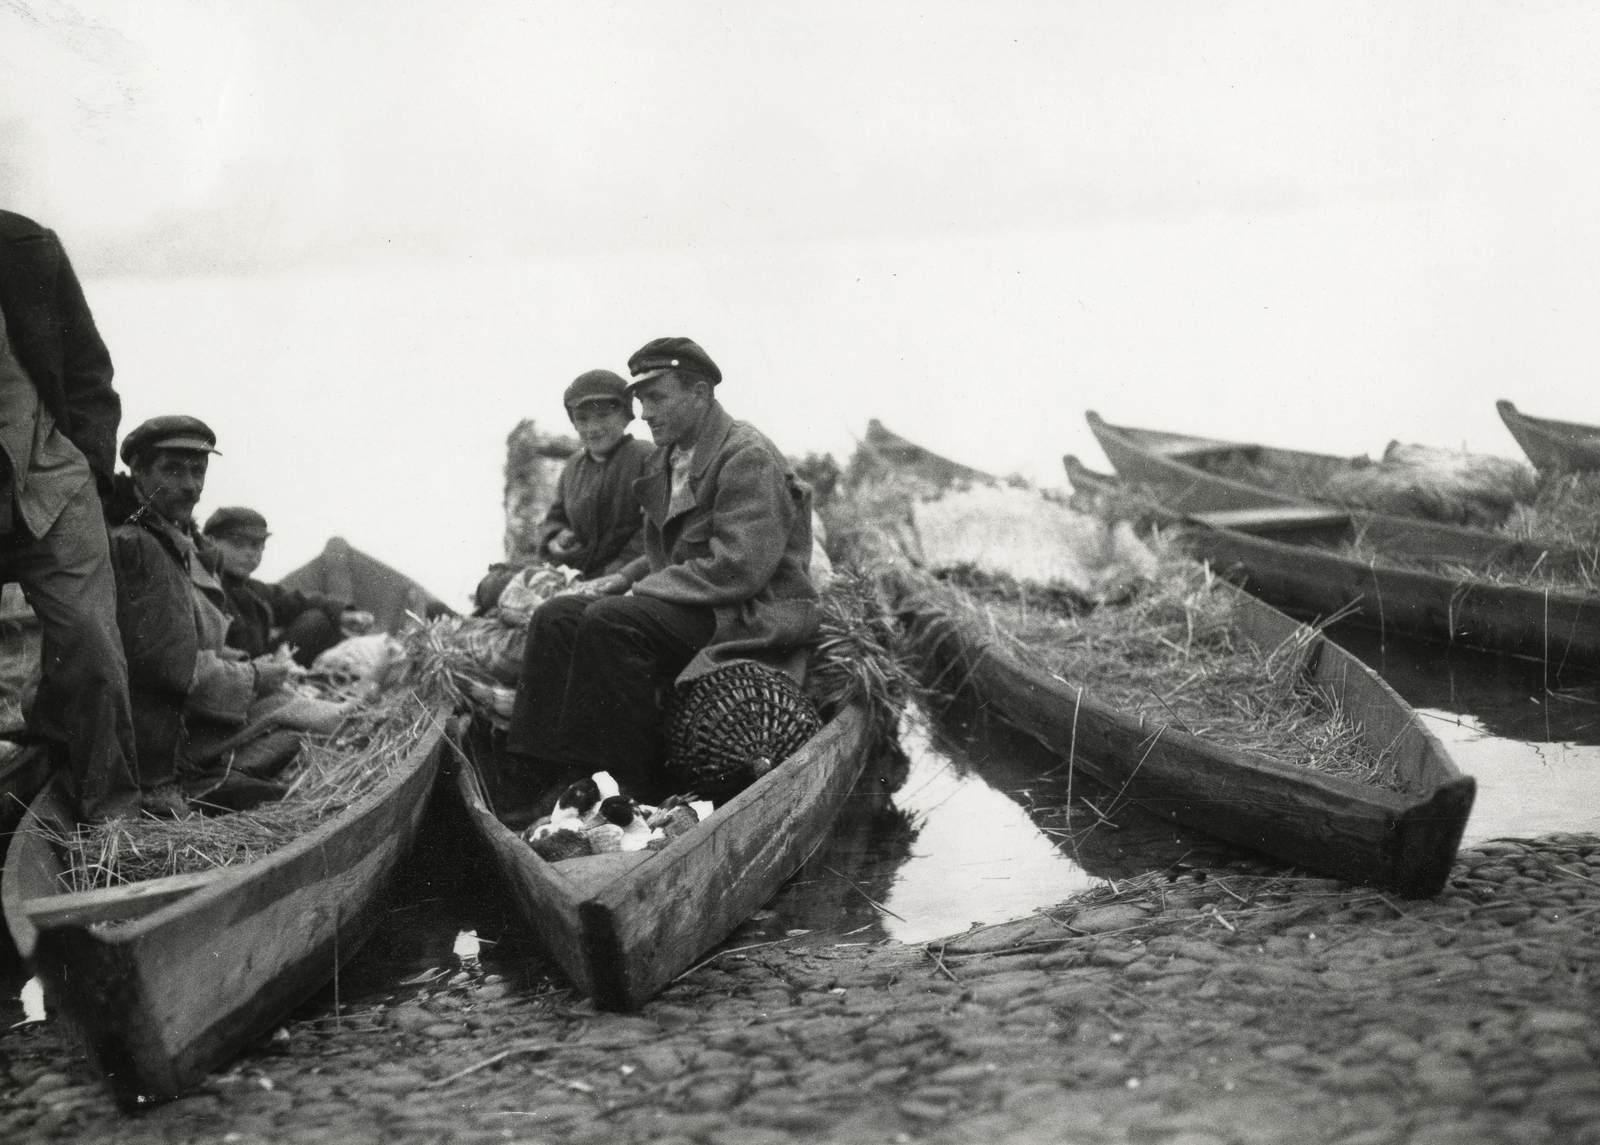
{"type": "Point", "coordinates": [331, 131]}
{"type": "Point", "coordinates": [355, 233]}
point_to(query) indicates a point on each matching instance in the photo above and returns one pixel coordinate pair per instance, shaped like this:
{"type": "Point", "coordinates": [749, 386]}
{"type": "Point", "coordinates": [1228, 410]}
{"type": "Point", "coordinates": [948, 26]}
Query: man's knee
{"type": "Point", "coordinates": [558, 613]}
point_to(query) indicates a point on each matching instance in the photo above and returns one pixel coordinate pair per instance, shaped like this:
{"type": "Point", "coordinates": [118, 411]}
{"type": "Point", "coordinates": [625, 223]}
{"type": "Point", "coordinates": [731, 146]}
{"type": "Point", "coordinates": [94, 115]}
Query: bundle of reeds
{"type": "Point", "coordinates": [331, 773]}
{"type": "Point", "coordinates": [854, 659]}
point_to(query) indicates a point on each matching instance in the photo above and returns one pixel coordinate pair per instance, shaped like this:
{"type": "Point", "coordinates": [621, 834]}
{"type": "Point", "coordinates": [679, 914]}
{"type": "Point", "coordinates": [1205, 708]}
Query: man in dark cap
{"type": "Point", "coordinates": [267, 617]}
{"type": "Point", "coordinates": [188, 687]}
{"type": "Point", "coordinates": [58, 431]}
{"type": "Point", "coordinates": [727, 538]}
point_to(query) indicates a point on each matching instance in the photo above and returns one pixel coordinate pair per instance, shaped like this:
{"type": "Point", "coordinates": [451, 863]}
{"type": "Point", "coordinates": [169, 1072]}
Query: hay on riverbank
{"type": "Point", "coordinates": [330, 774]}
{"type": "Point", "coordinates": [1173, 654]}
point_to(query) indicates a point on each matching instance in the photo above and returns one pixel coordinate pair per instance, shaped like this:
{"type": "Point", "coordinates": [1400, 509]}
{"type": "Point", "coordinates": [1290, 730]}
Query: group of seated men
{"type": "Point", "coordinates": [692, 554]}
{"type": "Point", "coordinates": [161, 656]}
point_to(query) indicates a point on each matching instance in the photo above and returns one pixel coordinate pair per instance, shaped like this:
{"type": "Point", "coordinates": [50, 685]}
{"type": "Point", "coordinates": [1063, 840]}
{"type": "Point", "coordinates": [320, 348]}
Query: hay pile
{"type": "Point", "coordinates": [331, 773]}
{"type": "Point", "coordinates": [1419, 481]}
{"type": "Point", "coordinates": [1565, 512]}
{"type": "Point", "coordinates": [1172, 654]}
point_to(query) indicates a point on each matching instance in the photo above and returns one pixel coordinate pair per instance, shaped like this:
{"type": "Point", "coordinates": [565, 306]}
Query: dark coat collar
{"type": "Point", "coordinates": [654, 489]}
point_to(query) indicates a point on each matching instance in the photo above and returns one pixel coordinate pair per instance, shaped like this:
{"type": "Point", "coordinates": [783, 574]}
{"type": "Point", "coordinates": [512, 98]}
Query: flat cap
{"type": "Point", "coordinates": [236, 521]}
{"type": "Point", "coordinates": [172, 431]}
{"type": "Point", "coordinates": [663, 354]}
{"type": "Point", "coordinates": [597, 386]}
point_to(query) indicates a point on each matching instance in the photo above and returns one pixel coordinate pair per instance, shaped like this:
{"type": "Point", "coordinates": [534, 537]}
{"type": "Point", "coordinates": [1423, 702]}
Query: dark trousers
{"type": "Point", "coordinates": [82, 705]}
{"type": "Point", "coordinates": [590, 679]}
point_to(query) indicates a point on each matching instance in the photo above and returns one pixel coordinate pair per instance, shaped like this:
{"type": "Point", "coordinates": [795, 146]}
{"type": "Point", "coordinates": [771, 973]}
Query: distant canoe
{"type": "Point", "coordinates": [1288, 555]}
{"type": "Point", "coordinates": [624, 925]}
{"type": "Point", "coordinates": [1553, 446]}
{"type": "Point", "coordinates": [1404, 840]}
{"type": "Point", "coordinates": [344, 572]}
{"type": "Point", "coordinates": [905, 458]}
{"type": "Point", "coordinates": [162, 981]}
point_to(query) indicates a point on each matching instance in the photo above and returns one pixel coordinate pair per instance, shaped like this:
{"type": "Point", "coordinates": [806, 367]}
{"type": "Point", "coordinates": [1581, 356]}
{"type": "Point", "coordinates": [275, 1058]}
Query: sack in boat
{"type": "Point", "coordinates": [371, 657]}
{"type": "Point", "coordinates": [1436, 485]}
{"type": "Point", "coordinates": [528, 590]}
{"type": "Point", "coordinates": [735, 724]}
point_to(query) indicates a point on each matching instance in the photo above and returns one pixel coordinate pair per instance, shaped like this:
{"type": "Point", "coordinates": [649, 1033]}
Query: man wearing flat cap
{"type": "Point", "coordinates": [727, 540]}
{"type": "Point", "coordinates": [267, 617]}
{"type": "Point", "coordinates": [188, 688]}
{"type": "Point", "coordinates": [58, 430]}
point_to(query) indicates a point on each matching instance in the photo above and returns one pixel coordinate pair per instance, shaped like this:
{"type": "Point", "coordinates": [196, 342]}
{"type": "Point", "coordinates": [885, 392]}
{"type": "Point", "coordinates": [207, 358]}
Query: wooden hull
{"type": "Point", "coordinates": [347, 573]}
{"type": "Point", "coordinates": [1402, 841]}
{"type": "Point", "coordinates": [162, 981]}
{"type": "Point", "coordinates": [623, 926]}
{"type": "Point", "coordinates": [1553, 446]}
{"type": "Point", "coordinates": [1558, 625]}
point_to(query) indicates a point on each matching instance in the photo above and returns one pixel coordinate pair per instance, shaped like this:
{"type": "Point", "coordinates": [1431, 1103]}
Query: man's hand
{"type": "Point", "coordinates": [614, 585]}
{"type": "Point", "coordinates": [272, 673]}
{"type": "Point", "coordinates": [563, 544]}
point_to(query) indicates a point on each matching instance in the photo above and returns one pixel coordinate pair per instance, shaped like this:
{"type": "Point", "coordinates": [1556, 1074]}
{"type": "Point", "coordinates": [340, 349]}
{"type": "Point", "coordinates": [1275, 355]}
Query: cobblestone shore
{"type": "Point", "coordinates": [1230, 1006]}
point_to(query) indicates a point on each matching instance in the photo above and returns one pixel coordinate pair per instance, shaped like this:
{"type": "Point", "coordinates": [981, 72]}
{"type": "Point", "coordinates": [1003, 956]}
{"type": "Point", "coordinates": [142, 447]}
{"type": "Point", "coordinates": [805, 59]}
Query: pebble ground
{"type": "Point", "coordinates": [1222, 1007]}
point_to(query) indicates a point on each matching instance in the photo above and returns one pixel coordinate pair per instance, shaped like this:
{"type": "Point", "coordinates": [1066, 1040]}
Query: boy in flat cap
{"type": "Point", "coordinates": [593, 524]}
{"type": "Point", "coordinates": [58, 431]}
{"type": "Point", "coordinates": [267, 617]}
{"type": "Point", "coordinates": [727, 539]}
{"type": "Point", "coordinates": [187, 686]}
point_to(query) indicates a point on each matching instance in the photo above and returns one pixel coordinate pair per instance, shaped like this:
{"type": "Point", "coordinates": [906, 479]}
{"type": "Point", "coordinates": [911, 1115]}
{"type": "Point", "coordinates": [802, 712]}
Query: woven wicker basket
{"type": "Point", "coordinates": [733, 725]}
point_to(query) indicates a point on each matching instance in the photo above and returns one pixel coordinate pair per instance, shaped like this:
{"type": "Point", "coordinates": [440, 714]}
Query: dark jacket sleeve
{"type": "Point", "coordinates": [93, 407]}
{"type": "Point", "coordinates": [154, 615]}
{"type": "Point", "coordinates": [733, 551]}
{"type": "Point", "coordinates": [289, 604]}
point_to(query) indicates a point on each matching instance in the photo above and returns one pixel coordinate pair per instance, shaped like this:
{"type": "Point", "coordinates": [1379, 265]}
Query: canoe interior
{"type": "Point", "coordinates": [1553, 446]}
{"type": "Point", "coordinates": [161, 981]}
{"type": "Point", "coordinates": [1189, 489]}
{"type": "Point", "coordinates": [347, 573]}
{"type": "Point", "coordinates": [1403, 840]}
{"type": "Point", "coordinates": [623, 926]}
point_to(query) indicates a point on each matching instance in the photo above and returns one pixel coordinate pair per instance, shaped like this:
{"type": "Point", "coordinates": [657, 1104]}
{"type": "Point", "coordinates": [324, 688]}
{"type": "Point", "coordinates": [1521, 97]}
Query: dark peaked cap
{"type": "Point", "coordinates": [236, 521]}
{"type": "Point", "coordinates": [172, 431]}
{"type": "Point", "coordinates": [664, 354]}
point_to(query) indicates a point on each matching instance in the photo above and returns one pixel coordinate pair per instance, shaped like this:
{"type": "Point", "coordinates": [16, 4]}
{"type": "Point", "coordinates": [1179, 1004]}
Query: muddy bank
{"type": "Point", "coordinates": [1232, 1004]}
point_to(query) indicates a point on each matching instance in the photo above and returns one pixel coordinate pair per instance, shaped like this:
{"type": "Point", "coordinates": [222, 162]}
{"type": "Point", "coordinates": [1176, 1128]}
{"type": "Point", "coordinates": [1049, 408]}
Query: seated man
{"type": "Point", "coordinates": [727, 538]}
{"type": "Point", "coordinates": [190, 691]}
{"type": "Point", "coordinates": [594, 523]}
{"type": "Point", "coordinates": [267, 617]}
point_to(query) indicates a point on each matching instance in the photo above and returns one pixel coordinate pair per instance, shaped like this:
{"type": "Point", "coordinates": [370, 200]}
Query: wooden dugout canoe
{"type": "Point", "coordinates": [1405, 841]}
{"type": "Point", "coordinates": [161, 981]}
{"type": "Point", "coordinates": [623, 926]}
{"type": "Point", "coordinates": [1287, 552]}
{"type": "Point", "coordinates": [345, 572]}
{"type": "Point", "coordinates": [1553, 446]}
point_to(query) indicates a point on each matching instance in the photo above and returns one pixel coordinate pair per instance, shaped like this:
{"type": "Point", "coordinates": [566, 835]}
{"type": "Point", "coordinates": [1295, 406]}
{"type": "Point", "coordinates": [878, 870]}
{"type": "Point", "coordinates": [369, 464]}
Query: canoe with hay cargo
{"type": "Point", "coordinates": [1553, 446]}
{"type": "Point", "coordinates": [1403, 576]}
{"type": "Point", "coordinates": [1401, 835]}
{"type": "Point", "coordinates": [624, 925]}
{"type": "Point", "coordinates": [163, 979]}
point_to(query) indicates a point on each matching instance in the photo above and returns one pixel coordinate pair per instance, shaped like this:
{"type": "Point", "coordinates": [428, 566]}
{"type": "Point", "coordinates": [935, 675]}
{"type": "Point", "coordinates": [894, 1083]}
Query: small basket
{"type": "Point", "coordinates": [735, 724]}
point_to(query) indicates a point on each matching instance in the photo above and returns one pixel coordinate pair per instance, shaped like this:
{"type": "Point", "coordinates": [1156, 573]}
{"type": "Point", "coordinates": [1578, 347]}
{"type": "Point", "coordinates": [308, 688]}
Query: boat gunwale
{"type": "Point", "coordinates": [227, 878]}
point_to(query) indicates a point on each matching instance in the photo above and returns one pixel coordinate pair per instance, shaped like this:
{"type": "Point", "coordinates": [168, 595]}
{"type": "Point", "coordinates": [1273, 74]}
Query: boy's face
{"type": "Point", "coordinates": [241, 555]}
{"type": "Point", "coordinates": [600, 424]}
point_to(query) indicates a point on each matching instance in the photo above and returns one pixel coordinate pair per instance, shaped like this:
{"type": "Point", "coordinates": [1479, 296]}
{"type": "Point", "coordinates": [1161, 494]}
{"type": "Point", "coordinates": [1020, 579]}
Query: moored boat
{"type": "Point", "coordinates": [1553, 446]}
{"type": "Point", "coordinates": [346, 573]}
{"type": "Point", "coordinates": [1403, 839]}
{"type": "Point", "coordinates": [1405, 576]}
{"type": "Point", "coordinates": [624, 925]}
{"type": "Point", "coordinates": [160, 981]}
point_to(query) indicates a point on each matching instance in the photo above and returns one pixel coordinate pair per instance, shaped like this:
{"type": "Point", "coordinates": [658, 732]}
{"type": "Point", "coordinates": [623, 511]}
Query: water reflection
{"type": "Point", "coordinates": [1528, 732]}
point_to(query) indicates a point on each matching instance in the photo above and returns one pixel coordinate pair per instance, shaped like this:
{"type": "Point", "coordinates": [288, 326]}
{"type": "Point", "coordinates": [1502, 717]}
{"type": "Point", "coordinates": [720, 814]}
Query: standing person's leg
{"type": "Point", "coordinates": [83, 697]}
{"type": "Point", "coordinates": [626, 646]}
